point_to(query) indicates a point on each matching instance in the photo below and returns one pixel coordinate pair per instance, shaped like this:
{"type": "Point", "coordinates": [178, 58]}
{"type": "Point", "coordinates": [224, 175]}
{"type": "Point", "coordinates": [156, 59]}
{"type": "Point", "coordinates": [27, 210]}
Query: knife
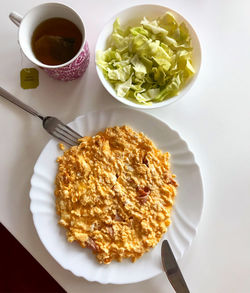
{"type": "Point", "coordinates": [172, 269]}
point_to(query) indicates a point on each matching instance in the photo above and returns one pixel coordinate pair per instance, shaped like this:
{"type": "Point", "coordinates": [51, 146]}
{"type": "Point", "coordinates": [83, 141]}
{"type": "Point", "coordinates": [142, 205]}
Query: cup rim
{"type": "Point", "coordinates": [36, 61]}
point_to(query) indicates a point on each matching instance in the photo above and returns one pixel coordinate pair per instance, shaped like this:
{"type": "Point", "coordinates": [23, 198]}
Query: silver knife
{"type": "Point", "coordinates": [172, 269]}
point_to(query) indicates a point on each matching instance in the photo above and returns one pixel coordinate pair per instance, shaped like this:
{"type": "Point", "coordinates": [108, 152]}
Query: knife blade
{"type": "Point", "coordinates": [172, 269]}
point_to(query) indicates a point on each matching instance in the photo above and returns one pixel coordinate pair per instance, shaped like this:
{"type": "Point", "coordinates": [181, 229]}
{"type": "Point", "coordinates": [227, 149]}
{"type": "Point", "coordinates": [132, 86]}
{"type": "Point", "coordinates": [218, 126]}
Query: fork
{"type": "Point", "coordinates": [51, 124]}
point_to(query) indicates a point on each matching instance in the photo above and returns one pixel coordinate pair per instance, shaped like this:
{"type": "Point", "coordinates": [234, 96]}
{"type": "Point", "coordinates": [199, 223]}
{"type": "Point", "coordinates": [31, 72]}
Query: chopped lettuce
{"type": "Point", "coordinates": [122, 88]}
{"type": "Point", "coordinates": [150, 62]}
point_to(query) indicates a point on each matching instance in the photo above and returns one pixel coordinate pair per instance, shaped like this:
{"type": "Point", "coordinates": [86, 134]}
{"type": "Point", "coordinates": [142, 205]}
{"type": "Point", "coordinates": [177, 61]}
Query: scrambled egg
{"type": "Point", "coordinates": [114, 193]}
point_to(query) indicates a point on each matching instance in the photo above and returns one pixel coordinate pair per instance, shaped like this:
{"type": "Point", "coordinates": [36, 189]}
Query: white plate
{"type": "Point", "coordinates": [185, 218]}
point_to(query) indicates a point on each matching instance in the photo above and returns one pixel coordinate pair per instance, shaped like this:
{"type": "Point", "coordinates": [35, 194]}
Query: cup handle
{"type": "Point", "coordinates": [16, 18]}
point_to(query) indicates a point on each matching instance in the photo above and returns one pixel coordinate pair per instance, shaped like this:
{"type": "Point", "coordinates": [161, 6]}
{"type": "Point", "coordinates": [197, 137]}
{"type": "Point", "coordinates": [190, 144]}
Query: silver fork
{"type": "Point", "coordinates": [53, 125]}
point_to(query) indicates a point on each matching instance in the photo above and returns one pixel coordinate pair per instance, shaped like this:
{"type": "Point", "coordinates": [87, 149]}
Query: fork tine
{"type": "Point", "coordinates": [69, 130]}
{"type": "Point", "coordinates": [64, 138]}
{"type": "Point", "coordinates": [61, 131]}
{"type": "Point", "coordinates": [65, 134]}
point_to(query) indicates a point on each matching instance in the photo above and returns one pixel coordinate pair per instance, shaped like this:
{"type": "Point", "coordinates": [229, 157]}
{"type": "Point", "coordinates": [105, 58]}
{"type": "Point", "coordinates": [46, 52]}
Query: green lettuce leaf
{"type": "Point", "coordinates": [122, 88]}
{"type": "Point", "coordinates": [153, 27]}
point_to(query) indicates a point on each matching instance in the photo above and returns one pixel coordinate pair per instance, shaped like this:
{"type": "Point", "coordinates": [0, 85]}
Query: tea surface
{"type": "Point", "coordinates": [56, 41]}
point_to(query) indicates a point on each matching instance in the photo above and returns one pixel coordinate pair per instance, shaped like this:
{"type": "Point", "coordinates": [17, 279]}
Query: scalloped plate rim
{"type": "Point", "coordinates": [51, 141]}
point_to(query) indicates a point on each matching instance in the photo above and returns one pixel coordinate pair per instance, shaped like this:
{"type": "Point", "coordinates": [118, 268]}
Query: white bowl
{"type": "Point", "coordinates": [133, 16]}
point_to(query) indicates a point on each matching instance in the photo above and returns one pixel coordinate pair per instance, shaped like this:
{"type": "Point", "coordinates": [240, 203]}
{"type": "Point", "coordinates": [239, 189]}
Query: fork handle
{"type": "Point", "coordinates": [19, 103]}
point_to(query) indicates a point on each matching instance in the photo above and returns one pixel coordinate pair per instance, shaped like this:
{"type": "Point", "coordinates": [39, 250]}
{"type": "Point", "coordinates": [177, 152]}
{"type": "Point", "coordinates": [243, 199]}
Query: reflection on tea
{"type": "Point", "coordinates": [56, 41]}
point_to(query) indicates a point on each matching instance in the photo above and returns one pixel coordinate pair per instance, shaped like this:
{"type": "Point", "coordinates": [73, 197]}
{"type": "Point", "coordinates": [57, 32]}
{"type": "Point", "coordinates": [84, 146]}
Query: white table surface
{"type": "Point", "coordinates": [214, 118]}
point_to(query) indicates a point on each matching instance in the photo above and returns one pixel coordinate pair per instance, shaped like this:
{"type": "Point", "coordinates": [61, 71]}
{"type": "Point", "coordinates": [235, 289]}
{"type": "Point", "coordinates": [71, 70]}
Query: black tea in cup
{"type": "Point", "coordinates": [55, 41]}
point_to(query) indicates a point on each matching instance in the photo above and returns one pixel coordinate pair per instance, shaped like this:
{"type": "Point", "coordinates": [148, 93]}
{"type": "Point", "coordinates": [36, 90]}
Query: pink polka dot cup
{"type": "Point", "coordinates": [70, 70]}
